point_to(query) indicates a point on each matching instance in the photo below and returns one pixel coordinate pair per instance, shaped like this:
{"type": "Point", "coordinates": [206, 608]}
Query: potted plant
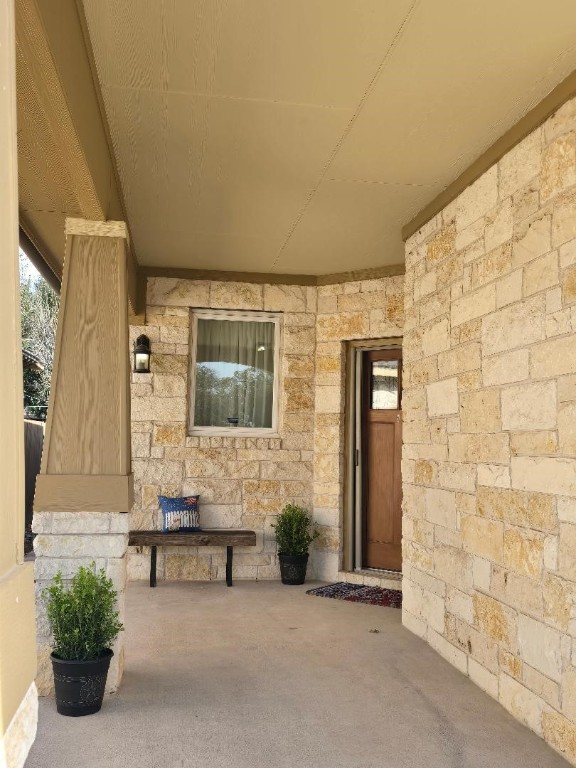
{"type": "Point", "coordinates": [84, 623]}
{"type": "Point", "coordinates": [295, 531]}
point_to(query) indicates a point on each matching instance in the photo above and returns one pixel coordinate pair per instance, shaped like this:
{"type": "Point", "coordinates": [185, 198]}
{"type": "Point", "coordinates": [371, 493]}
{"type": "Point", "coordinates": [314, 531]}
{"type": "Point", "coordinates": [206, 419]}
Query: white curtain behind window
{"type": "Point", "coordinates": [234, 373]}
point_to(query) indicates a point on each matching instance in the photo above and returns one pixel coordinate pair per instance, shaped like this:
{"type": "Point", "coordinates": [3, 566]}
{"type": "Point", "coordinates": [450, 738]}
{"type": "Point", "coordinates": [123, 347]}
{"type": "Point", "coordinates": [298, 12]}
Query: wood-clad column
{"type": "Point", "coordinates": [18, 698]}
{"type": "Point", "coordinates": [86, 460]}
{"type": "Point", "coordinates": [85, 478]}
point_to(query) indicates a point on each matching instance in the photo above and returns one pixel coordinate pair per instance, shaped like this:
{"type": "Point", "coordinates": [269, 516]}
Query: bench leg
{"type": "Point", "coordinates": [153, 566]}
{"type": "Point", "coordinates": [229, 550]}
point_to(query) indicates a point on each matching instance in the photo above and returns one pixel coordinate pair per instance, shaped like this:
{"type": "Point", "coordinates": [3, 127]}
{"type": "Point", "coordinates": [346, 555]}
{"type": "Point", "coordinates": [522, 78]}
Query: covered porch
{"type": "Point", "coordinates": [400, 179]}
{"type": "Point", "coordinates": [263, 675]}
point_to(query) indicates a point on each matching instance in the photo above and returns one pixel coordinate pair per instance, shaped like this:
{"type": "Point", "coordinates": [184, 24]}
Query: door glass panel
{"type": "Point", "coordinates": [384, 385]}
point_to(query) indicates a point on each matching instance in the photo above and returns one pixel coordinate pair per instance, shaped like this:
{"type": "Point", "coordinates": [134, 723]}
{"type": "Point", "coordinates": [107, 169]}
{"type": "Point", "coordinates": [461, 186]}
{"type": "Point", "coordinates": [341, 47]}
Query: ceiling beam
{"type": "Point", "coordinates": [57, 77]}
{"type": "Point", "coordinates": [44, 79]}
{"type": "Point", "coordinates": [273, 278]}
{"type": "Point", "coordinates": [361, 274]}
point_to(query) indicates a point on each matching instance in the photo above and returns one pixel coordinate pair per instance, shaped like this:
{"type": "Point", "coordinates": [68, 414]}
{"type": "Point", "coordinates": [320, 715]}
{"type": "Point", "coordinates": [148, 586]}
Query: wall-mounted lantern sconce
{"type": "Point", "coordinates": [142, 355]}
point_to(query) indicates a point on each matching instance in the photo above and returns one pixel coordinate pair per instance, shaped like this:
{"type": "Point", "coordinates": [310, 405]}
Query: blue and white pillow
{"type": "Point", "coordinates": [180, 514]}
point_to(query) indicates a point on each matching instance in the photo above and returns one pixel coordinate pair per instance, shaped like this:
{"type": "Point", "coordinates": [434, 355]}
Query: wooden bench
{"type": "Point", "coordinates": [210, 537]}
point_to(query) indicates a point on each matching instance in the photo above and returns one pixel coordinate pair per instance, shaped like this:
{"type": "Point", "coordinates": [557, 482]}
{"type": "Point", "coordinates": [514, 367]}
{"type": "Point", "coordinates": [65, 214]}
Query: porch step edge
{"type": "Point", "coordinates": [385, 580]}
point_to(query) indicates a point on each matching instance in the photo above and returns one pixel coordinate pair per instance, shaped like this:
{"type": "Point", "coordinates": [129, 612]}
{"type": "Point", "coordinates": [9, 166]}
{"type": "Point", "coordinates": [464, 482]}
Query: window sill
{"type": "Point", "coordinates": [232, 432]}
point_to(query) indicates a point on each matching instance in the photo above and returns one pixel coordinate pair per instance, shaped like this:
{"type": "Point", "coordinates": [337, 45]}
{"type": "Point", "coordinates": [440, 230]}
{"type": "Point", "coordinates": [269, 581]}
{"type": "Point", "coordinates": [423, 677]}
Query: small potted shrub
{"type": "Point", "coordinates": [295, 531]}
{"type": "Point", "coordinates": [84, 623]}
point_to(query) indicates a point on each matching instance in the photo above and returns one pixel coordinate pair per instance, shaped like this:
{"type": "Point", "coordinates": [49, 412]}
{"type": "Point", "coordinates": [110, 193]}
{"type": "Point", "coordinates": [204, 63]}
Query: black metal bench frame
{"type": "Point", "coordinates": [212, 537]}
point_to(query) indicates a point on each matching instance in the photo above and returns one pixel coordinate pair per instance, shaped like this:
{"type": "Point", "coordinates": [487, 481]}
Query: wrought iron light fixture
{"type": "Point", "coordinates": [142, 354]}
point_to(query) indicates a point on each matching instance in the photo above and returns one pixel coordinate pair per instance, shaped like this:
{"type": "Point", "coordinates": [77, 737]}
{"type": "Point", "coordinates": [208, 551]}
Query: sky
{"type": "Point", "coordinates": [224, 370]}
{"type": "Point", "coordinates": [28, 269]}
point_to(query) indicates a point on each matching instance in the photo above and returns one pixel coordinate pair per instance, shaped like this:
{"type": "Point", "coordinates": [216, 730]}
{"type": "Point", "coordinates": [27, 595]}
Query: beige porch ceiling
{"type": "Point", "coordinates": [299, 137]}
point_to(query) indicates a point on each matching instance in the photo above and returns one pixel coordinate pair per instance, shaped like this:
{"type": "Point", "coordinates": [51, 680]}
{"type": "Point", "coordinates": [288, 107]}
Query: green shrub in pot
{"type": "Point", "coordinates": [295, 531]}
{"type": "Point", "coordinates": [85, 623]}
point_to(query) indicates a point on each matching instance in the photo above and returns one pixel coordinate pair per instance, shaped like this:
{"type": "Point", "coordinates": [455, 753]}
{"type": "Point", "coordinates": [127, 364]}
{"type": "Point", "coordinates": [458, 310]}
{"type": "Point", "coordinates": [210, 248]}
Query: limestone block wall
{"type": "Point", "coordinates": [242, 481]}
{"type": "Point", "coordinates": [362, 309]}
{"type": "Point", "coordinates": [245, 482]}
{"type": "Point", "coordinates": [489, 462]}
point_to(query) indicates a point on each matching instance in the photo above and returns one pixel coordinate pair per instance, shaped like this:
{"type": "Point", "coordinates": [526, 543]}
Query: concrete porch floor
{"type": "Point", "coordinates": [263, 675]}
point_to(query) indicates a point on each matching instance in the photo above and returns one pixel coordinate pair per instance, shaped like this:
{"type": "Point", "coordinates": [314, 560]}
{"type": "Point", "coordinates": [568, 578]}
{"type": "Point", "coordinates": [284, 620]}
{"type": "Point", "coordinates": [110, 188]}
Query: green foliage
{"type": "Point", "coordinates": [295, 530]}
{"type": "Point", "coordinates": [246, 395]}
{"type": "Point", "coordinates": [83, 618]}
{"type": "Point", "coordinates": [39, 319]}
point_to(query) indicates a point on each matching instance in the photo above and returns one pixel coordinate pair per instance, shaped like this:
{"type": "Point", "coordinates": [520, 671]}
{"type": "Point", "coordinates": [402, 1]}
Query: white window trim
{"type": "Point", "coordinates": [235, 314]}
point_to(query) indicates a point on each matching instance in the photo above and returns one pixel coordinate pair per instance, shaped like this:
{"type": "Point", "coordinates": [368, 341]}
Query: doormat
{"type": "Point", "coordinates": [358, 593]}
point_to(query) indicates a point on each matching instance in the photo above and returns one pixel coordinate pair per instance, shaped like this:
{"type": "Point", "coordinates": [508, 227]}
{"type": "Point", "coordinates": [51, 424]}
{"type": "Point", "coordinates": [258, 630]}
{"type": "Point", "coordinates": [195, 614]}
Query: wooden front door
{"type": "Point", "coordinates": [381, 456]}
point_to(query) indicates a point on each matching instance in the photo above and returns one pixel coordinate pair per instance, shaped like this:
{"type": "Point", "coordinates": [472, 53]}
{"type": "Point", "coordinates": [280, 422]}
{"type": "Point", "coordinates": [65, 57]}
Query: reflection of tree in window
{"type": "Point", "coordinates": [234, 374]}
{"type": "Point", "coordinates": [384, 384]}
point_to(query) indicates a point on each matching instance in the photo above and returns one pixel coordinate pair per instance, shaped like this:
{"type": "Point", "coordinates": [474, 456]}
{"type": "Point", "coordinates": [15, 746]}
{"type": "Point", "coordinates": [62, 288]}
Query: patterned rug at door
{"type": "Point", "coordinates": [357, 593]}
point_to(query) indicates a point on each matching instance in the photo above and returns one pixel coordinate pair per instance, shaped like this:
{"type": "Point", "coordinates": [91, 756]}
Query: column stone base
{"type": "Point", "coordinates": [64, 542]}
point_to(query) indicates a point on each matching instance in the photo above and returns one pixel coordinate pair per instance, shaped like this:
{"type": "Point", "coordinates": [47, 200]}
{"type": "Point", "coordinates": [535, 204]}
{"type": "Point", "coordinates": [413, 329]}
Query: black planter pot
{"type": "Point", "coordinates": [80, 685]}
{"type": "Point", "coordinates": [293, 568]}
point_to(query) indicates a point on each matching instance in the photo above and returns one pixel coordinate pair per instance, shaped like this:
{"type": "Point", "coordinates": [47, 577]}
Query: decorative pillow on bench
{"type": "Point", "coordinates": [180, 514]}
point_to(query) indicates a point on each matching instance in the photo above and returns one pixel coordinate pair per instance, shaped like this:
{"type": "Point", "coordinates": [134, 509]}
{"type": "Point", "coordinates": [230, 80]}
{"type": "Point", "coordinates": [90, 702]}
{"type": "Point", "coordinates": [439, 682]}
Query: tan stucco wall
{"type": "Point", "coordinates": [17, 635]}
{"type": "Point", "coordinates": [245, 482]}
{"type": "Point", "coordinates": [17, 639]}
{"type": "Point", "coordinates": [489, 463]}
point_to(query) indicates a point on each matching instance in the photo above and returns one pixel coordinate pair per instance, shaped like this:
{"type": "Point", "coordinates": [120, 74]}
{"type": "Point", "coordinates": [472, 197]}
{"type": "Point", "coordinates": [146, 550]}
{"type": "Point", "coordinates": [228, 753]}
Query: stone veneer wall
{"type": "Point", "coordinates": [367, 309]}
{"type": "Point", "coordinates": [489, 463]}
{"type": "Point", "coordinates": [245, 482]}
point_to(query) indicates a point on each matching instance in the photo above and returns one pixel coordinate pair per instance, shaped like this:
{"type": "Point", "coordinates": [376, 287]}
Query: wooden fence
{"type": "Point", "coordinates": [33, 443]}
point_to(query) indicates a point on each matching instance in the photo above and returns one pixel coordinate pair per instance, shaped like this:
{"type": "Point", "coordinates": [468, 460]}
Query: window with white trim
{"type": "Point", "coordinates": [234, 372]}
